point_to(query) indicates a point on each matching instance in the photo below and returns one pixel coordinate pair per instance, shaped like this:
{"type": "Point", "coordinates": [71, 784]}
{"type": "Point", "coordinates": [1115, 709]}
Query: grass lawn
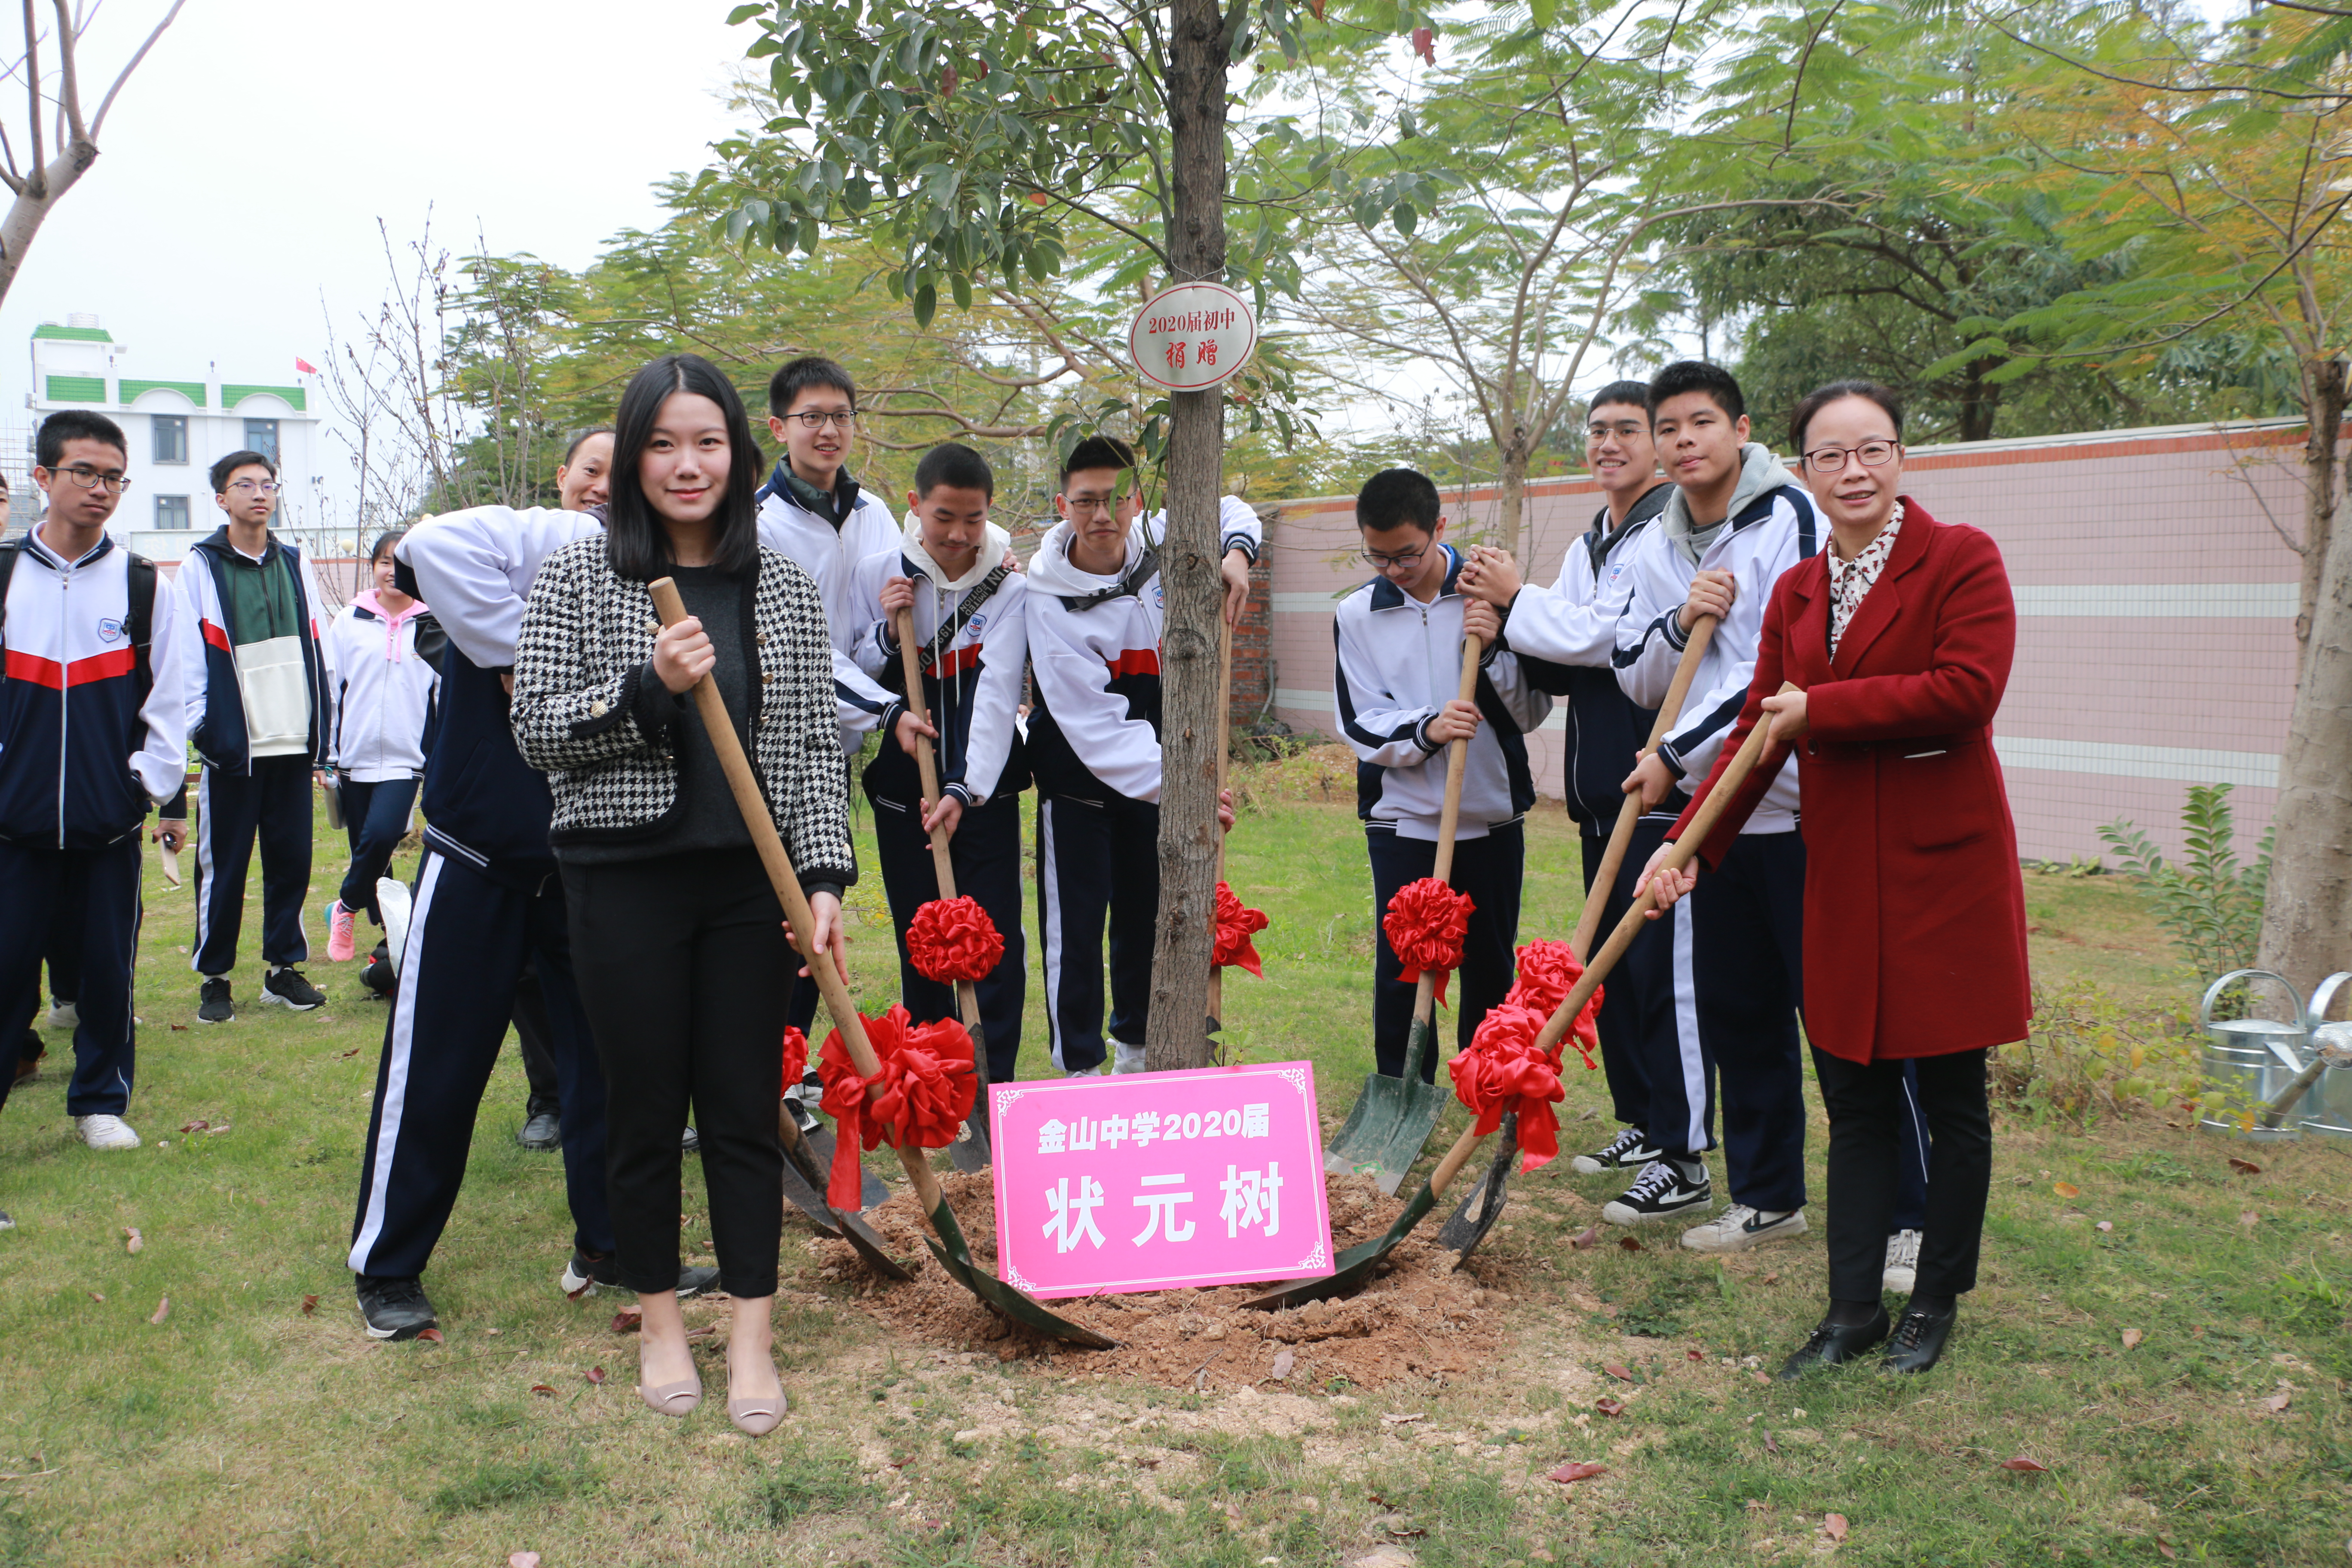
{"type": "Point", "coordinates": [246, 1426]}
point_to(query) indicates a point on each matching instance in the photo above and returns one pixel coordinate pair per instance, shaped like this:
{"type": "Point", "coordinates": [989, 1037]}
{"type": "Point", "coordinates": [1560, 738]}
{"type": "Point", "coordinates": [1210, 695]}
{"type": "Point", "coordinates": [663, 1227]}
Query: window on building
{"type": "Point", "coordinates": [172, 511]}
{"type": "Point", "coordinates": [171, 436]}
{"type": "Point", "coordinates": [261, 435]}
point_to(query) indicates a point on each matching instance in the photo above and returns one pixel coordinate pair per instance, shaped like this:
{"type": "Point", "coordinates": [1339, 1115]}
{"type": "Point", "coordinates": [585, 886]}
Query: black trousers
{"type": "Point", "coordinates": [375, 815]}
{"type": "Point", "coordinates": [534, 1038]}
{"type": "Point", "coordinates": [1636, 999]}
{"type": "Point", "coordinates": [1489, 869]}
{"type": "Point", "coordinates": [98, 891]}
{"type": "Point", "coordinates": [1866, 1104]}
{"type": "Point", "coordinates": [1097, 868]}
{"type": "Point", "coordinates": [684, 965]}
{"type": "Point", "coordinates": [272, 803]}
{"type": "Point", "coordinates": [986, 855]}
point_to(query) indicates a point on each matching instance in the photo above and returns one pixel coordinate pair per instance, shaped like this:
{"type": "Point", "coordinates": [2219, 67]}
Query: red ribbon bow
{"type": "Point", "coordinates": [1503, 1071]}
{"type": "Point", "coordinates": [1425, 923]}
{"type": "Point", "coordinates": [795, 1057]}
{"type": "Point", "coordinates": [1236, 924]}
{"type": "Point", "coordinates": [951, 939]}
{"type": "Point", "coordinates": [927, 1089]}
{"type": "Point", "coordinates": [1548, 971]}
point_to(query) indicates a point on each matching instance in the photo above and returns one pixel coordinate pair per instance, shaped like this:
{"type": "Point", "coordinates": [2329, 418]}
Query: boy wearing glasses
{"type": "Point", "coordinates": [1094, 610]}
{"type": "Point", "coordinates": [1396, 691]}
{"type": "Point", "coordinates": [1732, 958]}
{"type": "Point", "coordinates": [256, 710]}
{"type": "Point", "coordinates": [92, 713]}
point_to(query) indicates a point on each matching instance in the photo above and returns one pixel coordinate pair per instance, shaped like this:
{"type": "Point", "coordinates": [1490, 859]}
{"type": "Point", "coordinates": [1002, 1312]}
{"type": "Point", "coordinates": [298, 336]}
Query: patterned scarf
{"type": "Point", "coordinates": [1850, 581]}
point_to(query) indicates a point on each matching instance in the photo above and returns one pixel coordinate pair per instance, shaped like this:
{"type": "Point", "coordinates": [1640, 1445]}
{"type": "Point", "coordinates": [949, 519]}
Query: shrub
{"type": "Point", "coordinates": [2087, 1056]}
{"type": "Point", "coordinates": [2211, 906]}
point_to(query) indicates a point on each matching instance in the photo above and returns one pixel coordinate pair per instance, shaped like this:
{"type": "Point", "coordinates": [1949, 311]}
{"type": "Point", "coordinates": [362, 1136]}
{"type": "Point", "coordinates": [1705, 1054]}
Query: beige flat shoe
{"type": "Point", "coordinates": [677, 1399]}
{"type": "Point", "coordinates": [759, 1415]}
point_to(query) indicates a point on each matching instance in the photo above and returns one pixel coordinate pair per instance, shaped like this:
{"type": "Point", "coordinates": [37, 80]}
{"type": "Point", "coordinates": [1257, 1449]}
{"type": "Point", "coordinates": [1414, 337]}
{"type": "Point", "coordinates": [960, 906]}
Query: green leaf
{"type": "Point", "coordinates": [927, 304]}
{"type": "Point", "coordinates": [959, 284]}
{"type": "Point", "coordinates": [742, 14]}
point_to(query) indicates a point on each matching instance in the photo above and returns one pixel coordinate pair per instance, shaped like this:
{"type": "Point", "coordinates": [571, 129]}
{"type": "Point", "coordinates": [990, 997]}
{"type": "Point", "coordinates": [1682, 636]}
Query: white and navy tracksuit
{"type": "Point", "coordinates": [257, 714]}
{"type": "Point", "coordinates": [92, 734]}
{"type": "Point", "coordinates": [1094, 749]}
{"type": "Point", "coordinates": [1731, 954]}
{"type": "Point", "coordinates": [382, 693]}
{"type": "Point", "coordinates": [1399, 662]}
{"type": "Point", "coordinates": [971, 688]}
{"type": "Point", "coordinates": [488, 901]}
{"type": "Point", "coordinates": [1566, 638]}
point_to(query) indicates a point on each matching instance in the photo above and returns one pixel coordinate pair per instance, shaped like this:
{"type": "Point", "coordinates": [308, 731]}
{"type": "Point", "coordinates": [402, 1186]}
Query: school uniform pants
{"type": "Point", "coordinates": [65, 973]}
{"type": "Point", "coordinates": [1733, 953]}
{"type": "Point", "coordinates": [683, 961]}
{"type": "Point", "coordinates": [271, 804]}
{"type": "Point", "coordinates": [1097, 865]}
{"type": "Point", "coordinates": [1634, 996]}
{"type": "Point", "coordinates": [375, 816]}
{"type": "Point", "coordinates": [535, 1040]}
{"type": "Point", "coordinates": [98, 889]}
{"type": "Point", "coordinates": [469, 935]}
{"type": "Point", "coordinates": [1865, 1100]}
{"type": "Point", "coordinates": [1488, 869]}
{"type": "Point", "coordinates": [985, 854]}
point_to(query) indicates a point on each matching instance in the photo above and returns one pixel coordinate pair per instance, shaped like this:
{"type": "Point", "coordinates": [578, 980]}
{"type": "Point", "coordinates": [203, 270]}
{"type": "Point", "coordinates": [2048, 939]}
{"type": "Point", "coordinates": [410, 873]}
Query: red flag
{"type": "Point", "coordinates": [305, 366]}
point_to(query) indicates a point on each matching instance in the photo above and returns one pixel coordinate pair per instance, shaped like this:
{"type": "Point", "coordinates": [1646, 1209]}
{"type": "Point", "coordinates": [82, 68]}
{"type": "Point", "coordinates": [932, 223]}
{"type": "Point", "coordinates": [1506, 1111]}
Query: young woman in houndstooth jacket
{"type": "Point", "coordinates": [683, 958]}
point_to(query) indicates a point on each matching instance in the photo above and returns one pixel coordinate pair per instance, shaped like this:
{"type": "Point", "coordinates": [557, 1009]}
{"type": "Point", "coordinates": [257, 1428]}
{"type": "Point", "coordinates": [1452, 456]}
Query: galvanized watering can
{"type": "Point", "coordinates": [2257, 1058]}
{"type": "Point", "coordinates": [2327, 1106]}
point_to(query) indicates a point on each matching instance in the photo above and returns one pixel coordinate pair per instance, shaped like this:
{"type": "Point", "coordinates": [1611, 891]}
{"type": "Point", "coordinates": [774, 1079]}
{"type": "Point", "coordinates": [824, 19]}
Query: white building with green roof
{"type": "Point", "coordinates": [177, 424]}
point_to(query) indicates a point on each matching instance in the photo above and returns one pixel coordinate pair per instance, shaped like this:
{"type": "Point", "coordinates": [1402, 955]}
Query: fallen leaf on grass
{"type": "Point", "coordinates": [522, 1560]}
{"type": "Point", "coordinates": [2022, 1463]}
{"type": "Point", "coordinates": [1284, 1360]}
{"type": "Point", "coordinates": [2165, 1547]}
{"type": "Point", "coordinates": [1619, 1372]}
{"type": "Point", "coordinates": [1400, 1421]}
{"type": "Point", "coordinates": [97, 1295]}
{"type": "Point", "coordinates": [1761, 1378]}
{"type": "Point", "coordinates": [2248, 1219]}
{"type": "Point", "coordinates": [628, 1320]}
{"type": "Point", "coordinates": [198, 1125]}
{"type": "Point", "coordinates": [1773, 1278]}
{"type": "Point", "coordinates": [432, 1336]}
{"type": "Point", "coordinates": [1834, 1526]}
{"type": "Point", "coordinates": [1589, 1236]}
{"type": "Point", "coordinates": [2244, 1167]}
{"type": "Point", "coordinates": [1611, 1406]}
{"type": "Point", "coordinates": [2131, 1338]}
{"type": "Point", "coordinates": [595, 1374]}
{"type": "Point", "coordinates": [546, 1390]}
{"type": "Point", "coordinates": [2103, 1226]}
{"type": "Point", "coordinates": [162, 1310]}
{"type": "Point", "coordinates": [179, 1026]}
{"type": "Point", "coordinates": [310, 1305]}
{"type": "Point", "coordinates": [349, 1054]}
{"type": "Point", "coordinates": [2277, 1403]}
{"type": "Point", "coordinates": [1630, 1244]}
{"type": "Point", "coordinates": [1406, 1533]}
{"type": "Point", "coordinates": [1693, 1355]}
{"type": "Point", "coordinates": [132, 1240]}
{"type": "Point", "coordinates": [2066, 1189]}
{"type": "Point", "coordinates": [1770, 1446]}
{"type": "Point", "coordinates": [1575, 1471]}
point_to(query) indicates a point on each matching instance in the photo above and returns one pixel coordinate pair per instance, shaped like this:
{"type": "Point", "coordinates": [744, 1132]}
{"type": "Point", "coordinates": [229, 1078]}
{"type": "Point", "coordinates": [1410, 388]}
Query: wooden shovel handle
{"type": "Point", "coordinates": [712, 708]}
{"type": "Point", "coordinates": [1588, 924]}
{"type": "Point", "coordinates": [1679, 853]}
{"type": "Point", "coordinates": [927, 760]}
{"type": "Point", "coordinates": [1456, 762]}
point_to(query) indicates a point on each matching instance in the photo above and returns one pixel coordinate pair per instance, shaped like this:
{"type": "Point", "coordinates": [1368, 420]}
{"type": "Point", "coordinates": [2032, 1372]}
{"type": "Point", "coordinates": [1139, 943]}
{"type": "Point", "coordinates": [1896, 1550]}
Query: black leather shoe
{"type": "Point", "coordinates": [1829, 1345]}
{"type": "Point", "coordinates": [1919, 1339]}
{"type": "Point", "coordinates": [544, 1131]}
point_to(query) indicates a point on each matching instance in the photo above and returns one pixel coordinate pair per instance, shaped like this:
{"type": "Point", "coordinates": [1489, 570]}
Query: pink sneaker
{"type": "Point", "coordinates": [342, 944]}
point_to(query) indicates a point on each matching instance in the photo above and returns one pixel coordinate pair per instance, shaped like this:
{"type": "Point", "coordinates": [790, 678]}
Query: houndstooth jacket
{"type": "Point", "coordinates": [583, 681]}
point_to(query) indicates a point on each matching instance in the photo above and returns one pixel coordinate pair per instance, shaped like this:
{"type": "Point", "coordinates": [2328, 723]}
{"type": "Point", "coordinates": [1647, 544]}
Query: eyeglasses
{"type": "Point", "coordinates": [1625, 430]}
{"type": "Point", "coordinates": [1873, 454]}
{"type": "Point", "coordinates": [1089, 506]}
{"type": "Point", "coordinates": [90, 479]}
{"type": "Point", "coordinates": [817, 419]}
{"type": "Point", "coordinates": [1382, 562]}
{"type": "Point", "coordinates": [254, 487]}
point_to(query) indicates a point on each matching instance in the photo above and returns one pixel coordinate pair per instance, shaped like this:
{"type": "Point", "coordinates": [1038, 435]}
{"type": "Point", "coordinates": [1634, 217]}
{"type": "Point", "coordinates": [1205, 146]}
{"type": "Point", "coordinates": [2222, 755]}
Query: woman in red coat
{"type": "Point", "coordinates": [1899, 637]}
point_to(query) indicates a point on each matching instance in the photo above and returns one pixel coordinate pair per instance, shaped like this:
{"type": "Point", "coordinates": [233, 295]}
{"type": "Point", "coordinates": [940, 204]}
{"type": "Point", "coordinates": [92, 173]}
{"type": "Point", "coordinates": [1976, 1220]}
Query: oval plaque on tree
{"type": "Point", "coordinates": [1192, 336]}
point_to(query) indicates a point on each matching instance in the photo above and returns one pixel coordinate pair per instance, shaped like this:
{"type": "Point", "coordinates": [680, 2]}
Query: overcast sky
{"type": "Point", "coordinates": [243, 169]}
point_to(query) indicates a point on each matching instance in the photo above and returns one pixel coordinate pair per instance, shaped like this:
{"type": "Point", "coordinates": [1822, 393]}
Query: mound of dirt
{"type": "Point", "coordinates": [1417, 1321]}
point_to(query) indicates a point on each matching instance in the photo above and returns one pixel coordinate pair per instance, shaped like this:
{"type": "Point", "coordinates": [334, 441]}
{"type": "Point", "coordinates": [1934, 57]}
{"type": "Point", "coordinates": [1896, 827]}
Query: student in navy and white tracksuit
{"type": "Point", "coordinates": [1732, 961]}
{"type": "Point", "coordinates": [1093, 748]}
{"type": "Point", "coordinates": [382, 694]}
{"type": "Point", "coordinates": [971, 688]}
{"type": "Point", "coordinates": [1396, 694]}
{"type": "Point", "coordinates": [91, 735]}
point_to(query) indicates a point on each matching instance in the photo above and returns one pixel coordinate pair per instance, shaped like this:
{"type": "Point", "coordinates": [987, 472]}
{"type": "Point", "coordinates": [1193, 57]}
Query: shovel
{"type": "Point", "coordinates": [804, 1181]}
{"type": "Point", "coordinates": [1359, 1263]}
{"type": "Point", "coordinates": [1482, 1205]}
{"type": "Point", "coordinates": [969, 1152]}
{"type": "Point", "coordinates": [952, 1251]}
{"type": "Point", "coordinates": [1216, 1019]}
{"type": "Point", "coordinates": [1394, 1117]}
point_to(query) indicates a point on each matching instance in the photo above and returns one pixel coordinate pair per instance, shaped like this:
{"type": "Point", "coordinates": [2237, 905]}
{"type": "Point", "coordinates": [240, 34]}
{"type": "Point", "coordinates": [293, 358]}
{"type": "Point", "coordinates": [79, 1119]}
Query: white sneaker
{"type": "Point", "coordinates": [105, 1132]}
{"type": "Point", "coordinates": [1739, 1227]}
{"type": "Point", "coordinates": [1126, 1059]}
{"type": "Point", "coordinates": [1095, 1071]}
{"type": "Point", "coordinates": [1902, 1261]}
{"type": "Point", "coordinates": [393, 902]}
{"type": "Point", "coordinates": [64, 1016]}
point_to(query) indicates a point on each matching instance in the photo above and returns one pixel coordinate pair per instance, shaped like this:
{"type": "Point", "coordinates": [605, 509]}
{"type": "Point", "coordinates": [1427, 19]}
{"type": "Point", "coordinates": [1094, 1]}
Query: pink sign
{"type": "Point", "coordinates": [1156, 1180]}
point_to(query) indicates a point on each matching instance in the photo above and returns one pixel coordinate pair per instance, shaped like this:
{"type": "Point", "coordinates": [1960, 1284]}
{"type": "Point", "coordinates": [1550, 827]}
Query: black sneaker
{"type": "Point", "coordinates": [689, 1142]}
{"type": "Point", "coordinates": [287, 988]}
{"type": "Point", "coordinates": [1660, 1192]}
{"type": "Point", "coordinates": [587, 1271]}
{"type": "Point", "coordinates": [544, 1131]}
{"type": "Point", "coordinates": [395, 1308]}
{"type": "Point", "coordinates": [212, 1006]}
{"type": "Point", "coordinates": [1629, 1151]}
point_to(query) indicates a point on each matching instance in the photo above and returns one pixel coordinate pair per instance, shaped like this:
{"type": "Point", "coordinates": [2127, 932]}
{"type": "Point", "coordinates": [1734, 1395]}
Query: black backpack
{"type": "Point", "coordinates": [142, 612]}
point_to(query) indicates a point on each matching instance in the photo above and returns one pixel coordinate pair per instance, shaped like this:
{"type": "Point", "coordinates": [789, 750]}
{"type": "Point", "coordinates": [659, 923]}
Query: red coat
{"type": "Point", "coordinates": [1915, 910]}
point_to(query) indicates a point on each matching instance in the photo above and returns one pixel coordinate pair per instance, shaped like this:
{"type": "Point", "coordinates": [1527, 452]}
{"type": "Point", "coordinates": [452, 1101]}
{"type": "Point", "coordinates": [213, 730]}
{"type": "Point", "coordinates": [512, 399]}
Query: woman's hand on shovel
{"type": "Point", "coordinates": [830, 935]}
{"type": "Point", "coordinates": [1224, 811]}
{"type": "Point", "coordinates": [1665, 883]}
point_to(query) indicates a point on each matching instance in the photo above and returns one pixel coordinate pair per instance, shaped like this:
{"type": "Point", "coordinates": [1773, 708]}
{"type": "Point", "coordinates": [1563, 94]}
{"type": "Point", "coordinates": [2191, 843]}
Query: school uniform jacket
{"type": "Point", "coordinates": [972, 691]}
{"type": "Point", "coordinates": [1565, 639]}
{"type": "Point", "coordinates": [1915, 913]}
{"type": "Point", "coordinates": [82, 755]}
{"type": "Point", "coordinates": [830, 553]}
{"type": "Point", "coordinates": [1771, 526]}
{"type": "Point", "coordinates": [260, 688]}
{"type": "Point", "coordinates": [382, 689]}
{"type": "Point", "coordinates": [1094, 654]}
{"type": "Point", "coordinates": [1399, 662]}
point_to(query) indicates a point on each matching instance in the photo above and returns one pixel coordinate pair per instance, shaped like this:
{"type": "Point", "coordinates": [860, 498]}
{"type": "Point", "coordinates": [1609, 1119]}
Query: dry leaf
{"type": "Point", "coordinates": [1588, 1237]}
{"type": "Point", "coordinates": [432, 1336]}
{"type": "Point", "coordinates": [522, 1560]}
{"type": "Point", "coordinates": [1611, 1406]}
{"type": "Point", "coordinates": [2105, 1225]}
{"type": "Point", "coordinates": [1400, 1421]}
{"type": "Point", "coordinates": [196, 1126]}
{"type": "Point", "coordinates": [543, 1388]}
{"type": "Point", "coordinates": [162, 1310]}
{"type": "Point", "coordinates": [628, 1320]}
{"type": "Point", "coordinates": [310, 1305]}
{"type": "Point", "coordinates": [1693, 1355]}
{"type": "Point", "coordinates": [1619, 1372]}
{"type": "Point", "coordinates": [1770, 1446]}
{"type": "Point", "coordinates": [2277, 1403]}
{"type": "Point", "coordinates": [2066, 1189]}
{"type": "Point", "coordinates": [2244, 1167]}
{"type": "Point", "coordinates": [2248, 1218]}
{"type": "Point", "coordinates": [1284, 1360]}
{"type": "Point", "coordinates": [2022, 1463]}
{"type": "Point", "coordinates": [1761, 1378]}
{"type": "Point", "coordinates": [1773, 1278]}
{"type": "Point", "coordinates": [595, 1374]}
{"type": "Point", "coordinates": [1577, 1470]}
{"type": "Point", "coordinates": [179, 1026]}
{"type": "Point", "coordinates": [132, 1241]}
{"type": "Point", "coordinates": [1834, 1526]}
{"type": "Point", "coordinates": [97, 1295]}
{"type": "Point", "coordinates": [1630, 1244]}
{"type": "Point", "coordinates": [349, 1054]}
{"type": "Point", "coordinates": [2132, 1338]}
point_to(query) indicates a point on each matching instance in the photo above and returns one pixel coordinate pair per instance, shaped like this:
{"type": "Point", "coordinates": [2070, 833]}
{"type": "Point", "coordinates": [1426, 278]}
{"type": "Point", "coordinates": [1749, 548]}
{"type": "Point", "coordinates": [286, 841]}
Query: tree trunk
{"type": "Point", "coordinates": [1189, 562]}
{"type": "Point", "coordinates": [1511, 494]}
{"type": "Point", "coordinates": [2307, 910]}
{"type": "Point", "coordinates": [32, 207]}
{"type": "Point", "coordinates": [1979, 403]}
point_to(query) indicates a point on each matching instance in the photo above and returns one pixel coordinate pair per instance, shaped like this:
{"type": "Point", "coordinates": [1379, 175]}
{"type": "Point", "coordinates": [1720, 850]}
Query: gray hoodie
{"type": "Point", "coordinates": [1760, 471]}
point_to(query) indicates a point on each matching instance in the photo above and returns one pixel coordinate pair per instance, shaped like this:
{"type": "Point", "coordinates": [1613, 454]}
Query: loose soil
{"type": "Point", "coordinates": [1418, 1320]}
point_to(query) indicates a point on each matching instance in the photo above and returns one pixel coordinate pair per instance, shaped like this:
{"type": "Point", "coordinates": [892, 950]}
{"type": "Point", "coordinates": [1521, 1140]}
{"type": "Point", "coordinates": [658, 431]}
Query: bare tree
{"type": "Point", "coordinates": [54, 115]}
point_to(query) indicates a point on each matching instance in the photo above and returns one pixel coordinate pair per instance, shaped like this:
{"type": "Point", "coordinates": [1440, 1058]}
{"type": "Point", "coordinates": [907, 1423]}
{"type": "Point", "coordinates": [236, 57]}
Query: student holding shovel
{"type": "Point", "coordinates": [1900, 637]}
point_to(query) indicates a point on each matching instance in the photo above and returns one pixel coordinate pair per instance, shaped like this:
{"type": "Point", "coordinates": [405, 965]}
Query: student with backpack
{"type": "Point", "coordinates": [92, 722]}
